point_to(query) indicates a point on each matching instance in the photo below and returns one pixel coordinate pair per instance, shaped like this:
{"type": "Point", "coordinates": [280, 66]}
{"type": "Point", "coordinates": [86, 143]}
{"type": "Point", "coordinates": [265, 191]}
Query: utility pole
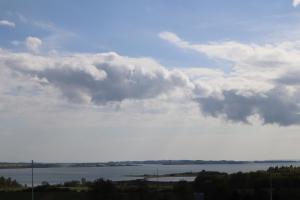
{"type": "Point", "coordinates": [32, 196]}
{"type": "Point", "coordinates": [157, 185]}
{"type": "Point", "coordinates": [271, 186]}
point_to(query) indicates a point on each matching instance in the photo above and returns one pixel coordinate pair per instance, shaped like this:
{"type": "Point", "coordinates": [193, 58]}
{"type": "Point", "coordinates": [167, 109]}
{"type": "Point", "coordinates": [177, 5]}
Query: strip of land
{"type": "Point", "coordinates": [9, 165]}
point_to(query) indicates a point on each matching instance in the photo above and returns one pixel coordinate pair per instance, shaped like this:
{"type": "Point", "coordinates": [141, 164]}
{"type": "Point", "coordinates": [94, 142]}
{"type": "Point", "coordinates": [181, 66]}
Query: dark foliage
{"type": "Point", "coordinates": [8, 183]}
{"type": "Point", "coordinates": [103, 189]}
{"type": "Point", "coordinates": [284, 181]}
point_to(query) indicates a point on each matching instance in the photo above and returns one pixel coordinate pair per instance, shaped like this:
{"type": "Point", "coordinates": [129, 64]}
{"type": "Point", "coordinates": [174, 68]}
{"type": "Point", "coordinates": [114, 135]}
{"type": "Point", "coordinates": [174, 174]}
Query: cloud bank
{"type": "Point", "coordinates": [263, 82]}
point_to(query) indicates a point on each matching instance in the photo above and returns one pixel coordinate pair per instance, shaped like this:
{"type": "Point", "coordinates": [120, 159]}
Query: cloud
{"type": "Point", "coordinates": [7, 23]}
{"type": "Point", "coordinates": [296, 3]}
{"type": "Point", "coordinates": [276, 106]}
{"type": "Point", "coordinates": [173, 38]}
{"type": "Point", "coordinates": [291, 78]}
{"type": "Point", "coordinates": [261, 75]}
{"type": "Point", "coordinates": [263, 82]}
{"type": "Point", "coordinates": [33, 44]}
{"type": "Point", "coordinates": [243, 55]}
{"type": "Point", "coordinates": [97, 78]}
{"type": "Point", "coordinates": [54, 38]}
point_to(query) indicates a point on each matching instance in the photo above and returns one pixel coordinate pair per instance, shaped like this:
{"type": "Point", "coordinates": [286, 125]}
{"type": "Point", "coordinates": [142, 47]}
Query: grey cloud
{"type": "Point", "coordinates": [274, 107]}
{"type": "Point", "coordinates": [119, 84]}
{"type": "Point", "coordinates": [291, 78]}
{"type": "Point", "coordinates": [101, 78]}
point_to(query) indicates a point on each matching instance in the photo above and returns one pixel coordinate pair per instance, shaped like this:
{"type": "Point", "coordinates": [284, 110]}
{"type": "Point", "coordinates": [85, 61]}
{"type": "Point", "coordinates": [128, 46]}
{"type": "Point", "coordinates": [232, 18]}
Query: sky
{"type": "Point", "coordinates": [146, 80]}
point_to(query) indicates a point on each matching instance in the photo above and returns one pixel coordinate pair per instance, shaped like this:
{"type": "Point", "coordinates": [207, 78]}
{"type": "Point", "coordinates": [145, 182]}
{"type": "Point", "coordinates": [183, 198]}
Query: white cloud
{"type": "Point", "coordinates": [173, 38]}
{"type": "Point", "coordinates": [296, 3]}
{"type": "Point", "coordinates": [259, 74]}
{"type": "Point", "coordinates": [7, 23]}
{"type": "Point", "coordinates": [33, 44]}
{"type": "Point", "coordinates": [244, 55]}
{"type": "Point", "coordinates": [54, 38]}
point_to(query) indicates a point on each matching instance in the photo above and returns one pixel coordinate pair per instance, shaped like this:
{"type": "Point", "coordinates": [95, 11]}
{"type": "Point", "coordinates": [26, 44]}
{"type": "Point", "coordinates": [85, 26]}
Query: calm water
{"type": "Point", "coordinates": [60, 175]}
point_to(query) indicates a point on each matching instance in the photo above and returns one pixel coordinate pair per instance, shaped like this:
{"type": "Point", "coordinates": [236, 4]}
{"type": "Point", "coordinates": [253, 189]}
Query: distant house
{"type": "Point", "coordinates": [198, 196]}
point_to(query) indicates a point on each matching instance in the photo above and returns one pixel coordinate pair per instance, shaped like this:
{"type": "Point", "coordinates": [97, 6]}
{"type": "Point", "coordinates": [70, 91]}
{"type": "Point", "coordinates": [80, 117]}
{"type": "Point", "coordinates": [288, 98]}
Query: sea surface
{"type": "Point", "coordinates": [62, 174]}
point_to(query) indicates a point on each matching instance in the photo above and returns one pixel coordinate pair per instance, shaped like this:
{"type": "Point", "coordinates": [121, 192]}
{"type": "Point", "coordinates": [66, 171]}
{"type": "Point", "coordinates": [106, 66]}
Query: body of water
{"type": "Point", "coordinates": [63, 174]}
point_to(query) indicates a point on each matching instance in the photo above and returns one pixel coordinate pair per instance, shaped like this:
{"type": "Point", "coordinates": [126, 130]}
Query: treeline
{"type": "Point", "coordinates": [8, 183]}
{"type": "Point", "coordinates": [282, 183]}
{"type": "Point", "coordinates": [28, 165]}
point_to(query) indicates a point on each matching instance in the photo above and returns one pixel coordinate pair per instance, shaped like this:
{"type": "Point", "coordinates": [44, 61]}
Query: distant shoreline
{"type": "Point", "coordinates": [11, 165]}
{"type": "Point", "coordinates": [151, 176]}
